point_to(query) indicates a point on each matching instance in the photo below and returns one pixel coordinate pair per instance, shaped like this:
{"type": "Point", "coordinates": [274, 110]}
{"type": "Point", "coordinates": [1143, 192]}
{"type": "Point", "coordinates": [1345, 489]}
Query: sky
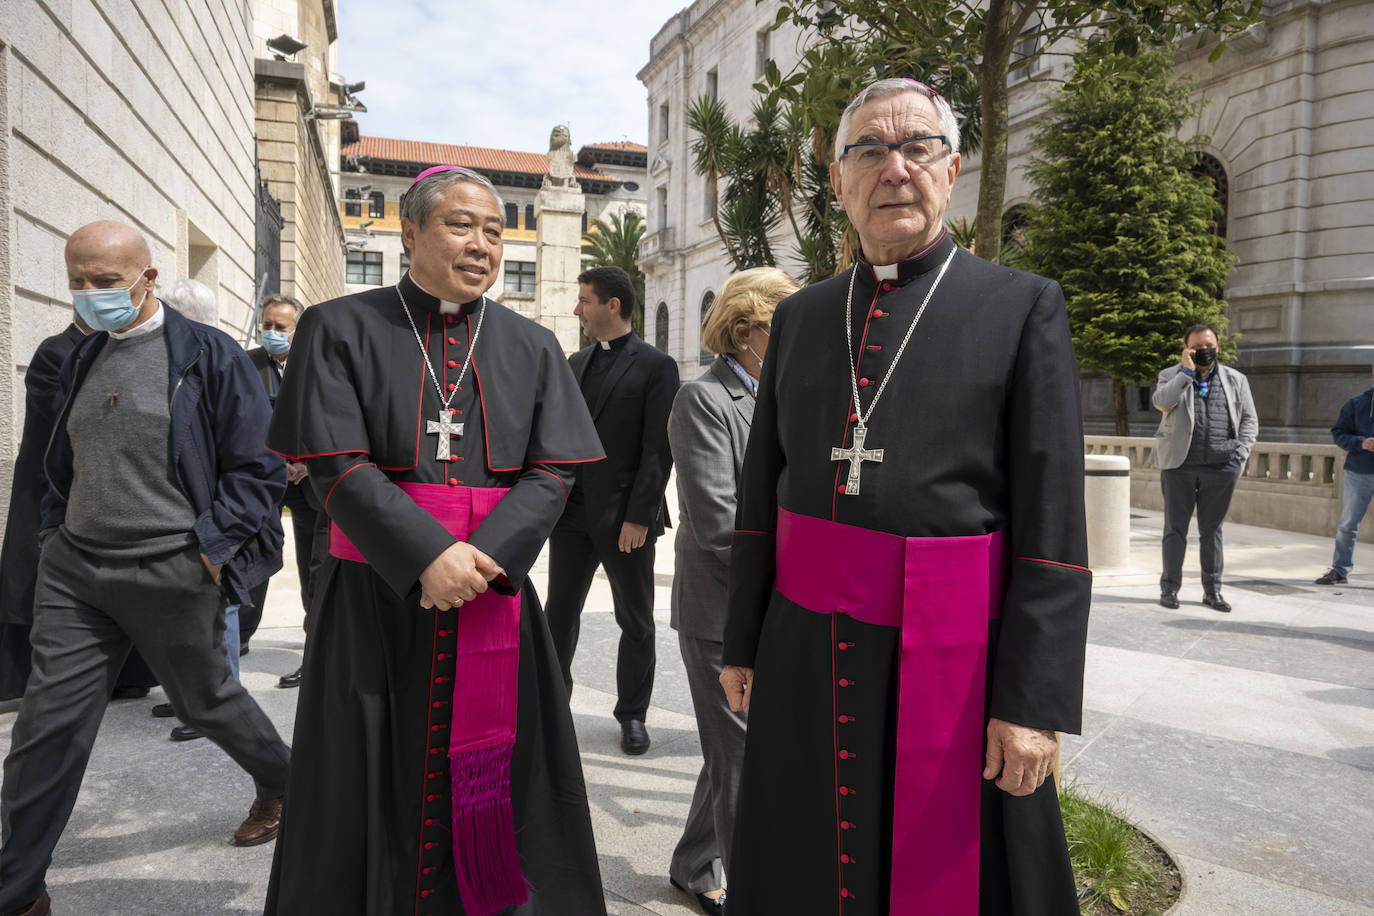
{"type": "Point", "coordinates": [500, 74]}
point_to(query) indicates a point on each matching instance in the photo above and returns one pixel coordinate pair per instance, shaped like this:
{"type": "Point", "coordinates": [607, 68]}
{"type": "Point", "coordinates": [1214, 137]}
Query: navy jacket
{"type": "Point", "coordinates": [219, 424]}
{"type": "Point", "coordinates": [1355, 424]}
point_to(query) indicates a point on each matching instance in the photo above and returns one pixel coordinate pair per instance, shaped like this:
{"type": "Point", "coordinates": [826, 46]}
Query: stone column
{"type": "Point", "coordinates": [558, 209]}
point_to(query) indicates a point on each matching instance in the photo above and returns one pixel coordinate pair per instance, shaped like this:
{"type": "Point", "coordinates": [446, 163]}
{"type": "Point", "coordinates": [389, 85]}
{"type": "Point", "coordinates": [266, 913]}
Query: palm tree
{"type": "Point", "coordinates": [615, 243]}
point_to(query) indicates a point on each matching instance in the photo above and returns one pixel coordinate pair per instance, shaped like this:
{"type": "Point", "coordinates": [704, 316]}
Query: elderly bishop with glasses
{"type": "Point", "coordinates": [436, 767]}
{"type": "Point", "coordinates": [908, 590]}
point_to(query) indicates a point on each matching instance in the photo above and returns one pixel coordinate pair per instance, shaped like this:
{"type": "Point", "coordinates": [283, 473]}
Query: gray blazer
{"type": "Point", "coordinates": [1174, 396]}
{"type": "Point", "coordinates": [707, 432]}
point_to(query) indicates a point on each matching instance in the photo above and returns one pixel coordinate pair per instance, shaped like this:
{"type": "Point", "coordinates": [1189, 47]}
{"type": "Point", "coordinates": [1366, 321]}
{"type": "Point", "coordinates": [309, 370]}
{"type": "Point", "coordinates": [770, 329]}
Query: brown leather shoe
{"type": "Point", "coordinates": [264, 820]}
{"type": "Point", "coordinates": [41, 907]}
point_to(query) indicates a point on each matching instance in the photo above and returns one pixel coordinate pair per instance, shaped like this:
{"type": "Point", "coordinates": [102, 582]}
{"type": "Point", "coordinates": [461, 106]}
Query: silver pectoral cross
{"type": "Point", "coordinates": [854, 456]}
{"type": "Point", "coordinates": [446, 429]}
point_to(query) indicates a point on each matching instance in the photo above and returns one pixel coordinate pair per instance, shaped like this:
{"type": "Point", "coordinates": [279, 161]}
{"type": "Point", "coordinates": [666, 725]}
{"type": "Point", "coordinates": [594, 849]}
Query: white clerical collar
{"type": "Point", "coordinates": [605, 344]}
{"type": "Point", "coordinates": [885, 271]}
{"type": "Point", "coordinates": [445, 307]}
{"type": "Point", "coordinates": [154, 323]}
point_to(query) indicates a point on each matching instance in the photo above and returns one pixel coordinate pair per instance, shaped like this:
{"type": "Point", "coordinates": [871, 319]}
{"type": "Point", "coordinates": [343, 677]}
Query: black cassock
{"type": "Point", "coordinates": [19, 557]}
{"type": "Point", "coordinates": [981, 431]}
{"type": "Point", "coordinates": [367, 811]}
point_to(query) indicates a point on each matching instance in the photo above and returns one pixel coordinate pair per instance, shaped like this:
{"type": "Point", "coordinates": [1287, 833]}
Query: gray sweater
{"type": "Point", "coordinates": [125, 500]}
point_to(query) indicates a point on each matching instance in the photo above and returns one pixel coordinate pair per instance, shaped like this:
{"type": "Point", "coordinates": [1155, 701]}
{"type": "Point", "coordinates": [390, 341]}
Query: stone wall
{"type": "Point", "coordinates": [142, 114]}
{"type": "Point", "coordinates": [293, 160]}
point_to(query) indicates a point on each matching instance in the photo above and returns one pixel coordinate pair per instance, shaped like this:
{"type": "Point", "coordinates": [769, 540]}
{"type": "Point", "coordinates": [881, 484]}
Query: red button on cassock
{"type": "Point", "coordinates": [845, 825]}
{"type": "Point", "coordinates": [429, 845]}
{"type": "Point", "coordinates": [844, 755]}
{"type": "Point", "coordinates": [844, 892]}
{"type": "Point", "coordinates": [453, 364]}
{"type": "Point", "coordinates": [840, 488]}
{"type": "Point", "coordinates": [845, 719]}
{"type": "Point", "coordinates": [845, 859]}
{"type": "Point", "coordinates": [879, 313]}
{"type": "Point", "coordinates": [452, 482]}
{"type": "Point", "coordinates": [843, 647]}
{"type": "Point", "coordinates": [451, 386]}
{"type": "Point", "coordinates": [844, 790]}
{"type": "Point", "coordinates": [864, 382]}
{"type": "Point", "coordinates": [453, 340]}
{"type": "Point", "coordinates": [853, 418]}
{"type": "Point", "coordinates": [887, 287]}
{"type": "Point", "coordinates": [430, 822]}
{"type": "Point", "coordinates": [844, 682]}
{"type": "Point", "coordinates": [437, 704]}
{"type": "Point", "coordinates": [449, 319]}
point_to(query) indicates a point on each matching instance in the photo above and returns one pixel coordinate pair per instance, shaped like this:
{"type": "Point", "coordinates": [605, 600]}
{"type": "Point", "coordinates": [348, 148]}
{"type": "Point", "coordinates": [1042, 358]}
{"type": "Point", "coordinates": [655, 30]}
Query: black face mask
{"type": "Point", "coordinates": [1205, 356]}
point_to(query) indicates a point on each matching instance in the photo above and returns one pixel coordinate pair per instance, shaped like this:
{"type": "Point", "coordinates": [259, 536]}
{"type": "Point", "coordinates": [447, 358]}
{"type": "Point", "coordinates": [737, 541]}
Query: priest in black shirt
{"type": "Point", "coordinates": [908, 591]}
{"type": "Point", "coordinates": [437, 769]}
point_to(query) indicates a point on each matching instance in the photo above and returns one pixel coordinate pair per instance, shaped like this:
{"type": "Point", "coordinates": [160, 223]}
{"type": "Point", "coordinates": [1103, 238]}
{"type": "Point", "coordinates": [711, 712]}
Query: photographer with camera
{"type": "Point", "coordinates": [1203, 440]}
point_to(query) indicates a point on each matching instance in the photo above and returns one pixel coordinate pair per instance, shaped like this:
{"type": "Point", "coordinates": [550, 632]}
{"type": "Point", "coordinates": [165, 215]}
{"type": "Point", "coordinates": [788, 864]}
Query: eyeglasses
{"type": "Point", "coordinates": [915, 150]}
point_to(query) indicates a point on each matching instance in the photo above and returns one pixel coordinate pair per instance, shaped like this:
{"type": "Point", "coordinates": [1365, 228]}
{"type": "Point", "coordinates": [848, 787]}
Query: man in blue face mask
{"type": "Point", "coordinates": [309, 524]}
{"type": "Point", "coordinates": [162, 503]}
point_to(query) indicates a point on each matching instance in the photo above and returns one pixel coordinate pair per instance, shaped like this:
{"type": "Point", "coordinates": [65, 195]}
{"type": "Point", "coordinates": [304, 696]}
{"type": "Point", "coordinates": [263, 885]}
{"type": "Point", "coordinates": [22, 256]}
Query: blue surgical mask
{"type": "Point", "coordinates": [275, 342]}
{"type": "Point", "coordinates": [108, 309]}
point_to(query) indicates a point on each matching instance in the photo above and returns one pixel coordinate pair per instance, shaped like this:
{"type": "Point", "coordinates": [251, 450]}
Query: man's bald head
{"type": "Point", "coordinates": [110, 242]}
{"type": "Point", "coordinates": [108, 254]}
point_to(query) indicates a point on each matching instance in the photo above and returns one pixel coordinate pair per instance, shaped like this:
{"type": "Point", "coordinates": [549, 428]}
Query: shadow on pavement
{"type": "Point", "coordinates": [1358, 639]}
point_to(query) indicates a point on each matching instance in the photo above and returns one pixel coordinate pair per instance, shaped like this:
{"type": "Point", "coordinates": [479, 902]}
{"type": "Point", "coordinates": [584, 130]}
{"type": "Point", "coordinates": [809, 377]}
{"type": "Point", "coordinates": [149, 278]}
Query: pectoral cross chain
{"type": "Point", "coordinates": [855, 456]}
{"type": "Point", "coordinates": [446, 429]}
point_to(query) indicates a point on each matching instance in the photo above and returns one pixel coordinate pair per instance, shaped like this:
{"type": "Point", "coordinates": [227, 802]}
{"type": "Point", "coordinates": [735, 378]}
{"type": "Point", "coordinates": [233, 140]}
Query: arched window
{"type": "Point", "coordinates": [1013, 221]}
{"type": "Point", "coordinates": [706, 300]}
{"type": "Point", "coordinates": [661, 327]}
{"type": "Point", "coordinates": [1210, 167]}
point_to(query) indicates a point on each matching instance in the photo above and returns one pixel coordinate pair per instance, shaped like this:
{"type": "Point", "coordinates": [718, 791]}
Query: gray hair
{"type": "Point", "coordinates": [424, 195]}
{"type": "Point", "coordinates": [949, 122]}
{"type": "Point", "coordinates": [193, 299]}
{"type": "Point", "coordinates": [276, 300]}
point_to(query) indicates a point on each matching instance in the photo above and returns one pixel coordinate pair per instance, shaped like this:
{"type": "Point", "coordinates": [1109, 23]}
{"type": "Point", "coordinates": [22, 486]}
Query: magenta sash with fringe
{"type": "Point", "coordinates": [941, 593]}
{"type": "Point", "coordinates": [482, 736]}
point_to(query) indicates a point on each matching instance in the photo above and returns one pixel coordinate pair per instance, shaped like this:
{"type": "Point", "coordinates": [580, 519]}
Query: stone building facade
{"type": "Point", "coordinates": [145, 117]}
{"type": "Point", "coordinates": [152, 114]}
{"type": "Point", "coordinates": [1290, 112]}
{"type": "Point", "coordinates": [376, 171]}
{"type": "Point", "coordinates": [298, 143]}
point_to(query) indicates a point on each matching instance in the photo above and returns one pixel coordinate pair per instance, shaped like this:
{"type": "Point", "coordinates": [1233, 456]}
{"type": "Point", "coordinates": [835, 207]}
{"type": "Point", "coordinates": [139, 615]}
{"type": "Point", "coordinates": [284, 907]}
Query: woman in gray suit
{"type": "Point", "coordinates": [707, 431]}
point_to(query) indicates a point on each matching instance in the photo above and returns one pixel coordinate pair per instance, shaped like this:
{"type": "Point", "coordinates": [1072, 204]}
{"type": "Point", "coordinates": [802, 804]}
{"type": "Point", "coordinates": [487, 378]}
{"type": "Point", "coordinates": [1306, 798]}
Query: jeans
{"type": "Point", "coordinates": [1359, 489]}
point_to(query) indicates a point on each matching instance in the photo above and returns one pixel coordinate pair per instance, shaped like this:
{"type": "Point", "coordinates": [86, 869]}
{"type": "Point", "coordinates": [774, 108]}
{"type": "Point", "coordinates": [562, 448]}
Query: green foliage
{"type": "Point", "coordinates": [967, 48]}
{"type": "Point", "coordinates": [1104, 849]}
{"type": "Point", "coordinates": [1121, 221]}
{"type": "Point", "coordinates": [615, 243]}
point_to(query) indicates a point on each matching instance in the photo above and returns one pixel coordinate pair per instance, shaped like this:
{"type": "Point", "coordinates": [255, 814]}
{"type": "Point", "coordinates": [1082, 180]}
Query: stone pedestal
{"type": "Point", "coordinates": [558, 261]}
{"type": "Point", "coordinates": [1107, 500]}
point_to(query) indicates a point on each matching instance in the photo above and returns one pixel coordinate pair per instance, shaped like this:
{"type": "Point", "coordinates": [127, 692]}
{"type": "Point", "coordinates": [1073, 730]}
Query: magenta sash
{"type": "Point", "coordinates": [941, 592]}
{"type": "Point", "coordinates": [482, 733]}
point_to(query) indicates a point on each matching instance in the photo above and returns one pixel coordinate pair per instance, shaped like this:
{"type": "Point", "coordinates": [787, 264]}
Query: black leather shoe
{"type": "Point", "coordinates": [634, 739]}
{"type": "Point", "coordinates": [1169, 600]}
{"type": "Point", "coordinates": [186, 733]}
{"type": "Point", "coordinates": [290, 680]}
{"type": "Point", "coordinates": [163, 711]}
{"type": "Point", "coordinates": [243, 649]}
{"type": "Point", "coordinates": [1216, 602]}
{"type": "Point", "coordinates": [712, 906]}
{"type": "Point", "coordinates": [128, 693]}
{"type": "Point", "coordinates": [1331, 577]}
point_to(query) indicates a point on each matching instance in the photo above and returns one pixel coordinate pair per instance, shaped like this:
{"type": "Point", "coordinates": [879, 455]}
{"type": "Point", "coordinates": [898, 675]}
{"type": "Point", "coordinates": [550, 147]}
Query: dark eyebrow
{"type": "Point", "coordinates": [474, 216]}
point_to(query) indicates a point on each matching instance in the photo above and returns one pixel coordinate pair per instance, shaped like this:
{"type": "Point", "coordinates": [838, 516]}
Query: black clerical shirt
{"type": "Point", "coordinates": [604, 355]}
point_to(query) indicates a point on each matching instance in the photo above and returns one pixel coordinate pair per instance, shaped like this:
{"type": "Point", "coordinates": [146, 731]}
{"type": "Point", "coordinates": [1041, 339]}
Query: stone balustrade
{"type": "Point", "coordinates": [1288, 485]}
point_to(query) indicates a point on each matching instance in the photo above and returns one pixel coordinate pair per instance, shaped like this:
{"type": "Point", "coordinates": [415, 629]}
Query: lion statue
{"type": "Point", "coordinates": [561, 160]}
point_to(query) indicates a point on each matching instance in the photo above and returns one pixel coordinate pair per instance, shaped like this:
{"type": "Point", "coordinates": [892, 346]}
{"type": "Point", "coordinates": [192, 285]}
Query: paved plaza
{"type": "Point", "coordinates": [1243, 742]}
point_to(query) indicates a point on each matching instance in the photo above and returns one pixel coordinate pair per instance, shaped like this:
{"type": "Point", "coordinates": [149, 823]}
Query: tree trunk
{"type": "Point", "coordinates": [1123, 420]}
{"type": "Point", "coordinates": [992, 177]}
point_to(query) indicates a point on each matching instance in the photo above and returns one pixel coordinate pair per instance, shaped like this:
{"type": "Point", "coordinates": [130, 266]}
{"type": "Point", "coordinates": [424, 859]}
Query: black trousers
{"type": "Point", "coordinates": [574, 556]}
{"type": "Point", "coordinates": [88, 610]}
{"type": "Point", "coordinates": [1207, 489]}
{"type": "Point", "coordinates": [310, 530]}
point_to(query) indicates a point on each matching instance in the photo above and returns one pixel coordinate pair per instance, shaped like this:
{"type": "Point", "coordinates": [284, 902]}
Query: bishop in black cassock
{"type": "Point", "coordinates": [908, 591]}
{"type": "Point", "coordinates": [384, 813]}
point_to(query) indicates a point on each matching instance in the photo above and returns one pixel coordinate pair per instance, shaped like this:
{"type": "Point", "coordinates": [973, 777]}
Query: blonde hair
{"type": "Point", "coordinates": [745, 302]}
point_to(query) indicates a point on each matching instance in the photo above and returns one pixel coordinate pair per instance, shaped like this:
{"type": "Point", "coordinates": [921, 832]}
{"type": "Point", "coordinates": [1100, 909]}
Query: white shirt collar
{"type": "Point", "coordinates": [885, 271]}
{"type": "Point", "coordinates": [154, 323]}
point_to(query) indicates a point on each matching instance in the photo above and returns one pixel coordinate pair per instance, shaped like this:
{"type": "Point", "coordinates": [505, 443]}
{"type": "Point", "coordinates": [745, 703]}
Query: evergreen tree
{"type": "Point", "coordinates": [1122, 222]}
